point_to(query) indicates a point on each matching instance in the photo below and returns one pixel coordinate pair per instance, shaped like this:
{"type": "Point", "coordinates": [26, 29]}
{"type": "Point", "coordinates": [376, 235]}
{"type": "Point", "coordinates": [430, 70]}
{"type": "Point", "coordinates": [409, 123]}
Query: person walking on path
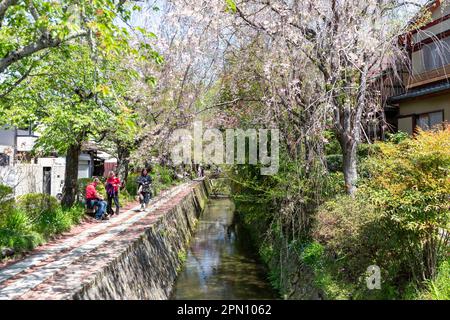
{"type": "Point", "coordinates": [94, 199]}
{"type": "Point", "coordinates": [112, 191]}
{"type": "Point", "coordinates": [200, 171]}
{"type": "Point", "coordinates": [144, 192]}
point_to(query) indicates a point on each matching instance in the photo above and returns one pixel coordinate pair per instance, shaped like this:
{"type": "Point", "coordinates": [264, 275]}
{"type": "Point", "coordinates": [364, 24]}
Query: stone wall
{"type": "Point", "coordinates": [148, 266]}
{"type": "Point", "coordinates": [292, 279]}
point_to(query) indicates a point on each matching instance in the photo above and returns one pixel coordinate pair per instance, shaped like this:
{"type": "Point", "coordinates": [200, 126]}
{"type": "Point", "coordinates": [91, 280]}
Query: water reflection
{"type": "Point", "coordinates": [220, 264]}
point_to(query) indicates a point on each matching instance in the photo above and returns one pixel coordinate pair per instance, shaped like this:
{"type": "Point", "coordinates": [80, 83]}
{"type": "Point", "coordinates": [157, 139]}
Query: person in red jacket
{"type": "Point", "coordinates": [94, 199]}
{"type": "Point", "coordinates": [112, 190]}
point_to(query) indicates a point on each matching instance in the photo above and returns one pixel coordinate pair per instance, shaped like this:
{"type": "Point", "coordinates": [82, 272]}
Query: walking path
{"type": "Point", "coordinates": [45, 273]}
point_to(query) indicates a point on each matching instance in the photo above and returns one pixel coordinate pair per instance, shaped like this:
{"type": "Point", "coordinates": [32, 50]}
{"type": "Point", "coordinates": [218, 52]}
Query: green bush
{"type": "Point", "coordinates": [131, 184]}
{"type": "Point", "coordinates": [16, 232]}
{"type": "Point", "coordinates": [325, 271]}
{"type": "Point", "coordinates": [165, 176]}
{"type": "Point", "coordinates": [20, 241]}
{"type": "Point", "coordinates": [333, 146]}
{"type": "Point", "coordinates": [312, 254]}
{"type": "Point", "coordinates": [439, 288]}
{"type": "Point", "coordinates": [23, 231]}
{"type": "Point", "coordinates": [342, 226]}
{"type": "Point", "coordinates": [393, 221]}
{"type": "Point", "coordinates": [409, 182]}
{"type": "Point", "coordinates": [333, 185]}
{"type": "Point", "coordinates": [157, 185]}
{"type": "Point", "coordinates": [5, 192]}
{"type": "Point", "coordinates": [266, 252]}
{"type": "Point", "coordinates": [126, 197]}
{"type": "Point", "coordinates": [35, 218]}
{"type": "Point", "coordinates": [76, 213]}
{"type": "Point", "coordinates": [17, 220]}
{"type": "Point", "coordinates": [54, 222]}
{"type": "Point", "coordinates": [398, 137]}
{"type": "Point", "coordinates": [36, 204]}
{"type": "Point", "coordinates": [356, 235]}
{"type": "Point", "coordinates": [6, 200]}
{"type": "Point", "coordinates": [366, 150]}
{"type": "Point", "coordinates": [334, 162]}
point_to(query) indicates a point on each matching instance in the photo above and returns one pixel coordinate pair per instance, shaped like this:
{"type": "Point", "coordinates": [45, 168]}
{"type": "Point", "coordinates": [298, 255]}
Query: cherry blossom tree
{"type": "Point", "coordinates": [320, 59]}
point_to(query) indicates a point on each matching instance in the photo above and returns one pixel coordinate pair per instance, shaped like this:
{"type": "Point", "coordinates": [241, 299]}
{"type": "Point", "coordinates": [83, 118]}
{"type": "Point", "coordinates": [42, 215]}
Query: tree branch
{"type": "Point", "coordinates": [11, 88]}
{"type": "Point", "coordinates": [4, 5]}
{"type": "Point", "coordinates": [44, 42]}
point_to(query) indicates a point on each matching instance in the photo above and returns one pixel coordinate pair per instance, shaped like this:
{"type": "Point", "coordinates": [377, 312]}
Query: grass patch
{"type": "Point", "coordinates": [439, 288]}
{"type": "Point", "coordinates": [182, 256]}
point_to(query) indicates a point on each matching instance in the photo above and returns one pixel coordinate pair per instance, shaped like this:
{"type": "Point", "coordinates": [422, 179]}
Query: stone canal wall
{"type": "Point", "coordinates": [147, 266]}
{"type": "Point", "coordinates": [135, 255]}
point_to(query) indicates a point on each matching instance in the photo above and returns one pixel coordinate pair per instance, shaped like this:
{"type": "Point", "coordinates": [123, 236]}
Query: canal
{"type": "Point", "coordinates": [220, 263]}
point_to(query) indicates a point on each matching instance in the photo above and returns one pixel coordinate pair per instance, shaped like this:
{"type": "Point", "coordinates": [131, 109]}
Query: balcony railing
{"type": "Point", "coordinates": [392, 84]}
{"type": "Point", "coordinates": [412, 81]}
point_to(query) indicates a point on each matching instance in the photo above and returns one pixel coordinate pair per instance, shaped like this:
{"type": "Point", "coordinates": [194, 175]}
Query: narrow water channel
{"type": "Point", "coordinates": [220, 263]}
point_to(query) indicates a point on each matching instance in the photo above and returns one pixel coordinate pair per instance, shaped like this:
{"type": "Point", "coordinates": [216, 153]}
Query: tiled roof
{"type": "Point", "coordinates": [414, 93]}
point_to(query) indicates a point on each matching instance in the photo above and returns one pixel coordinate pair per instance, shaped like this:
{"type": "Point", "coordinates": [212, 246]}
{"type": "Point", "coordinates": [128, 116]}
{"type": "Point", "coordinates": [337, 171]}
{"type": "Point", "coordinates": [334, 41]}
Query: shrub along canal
{"type": "Point", "coordinates": [220, 263]}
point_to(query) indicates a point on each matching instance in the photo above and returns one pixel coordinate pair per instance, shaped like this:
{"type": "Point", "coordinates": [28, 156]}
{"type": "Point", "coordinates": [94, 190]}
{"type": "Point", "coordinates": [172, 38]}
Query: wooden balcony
{"type": "Point", "coordinates": [428, 77]}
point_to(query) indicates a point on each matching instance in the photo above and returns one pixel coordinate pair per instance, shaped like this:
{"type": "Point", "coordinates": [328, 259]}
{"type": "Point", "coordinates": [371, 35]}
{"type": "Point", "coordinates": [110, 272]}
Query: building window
{"type": "Point", "coordinates": [4, 160]}
{"type": "Point", "coordinates": [427, 121]}
{"type": "Point", "coordinates": [436, 54]}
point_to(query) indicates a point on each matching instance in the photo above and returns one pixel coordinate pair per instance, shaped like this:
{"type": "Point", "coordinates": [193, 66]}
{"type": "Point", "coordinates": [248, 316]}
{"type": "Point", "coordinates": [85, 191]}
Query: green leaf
{"type": "Point", "coordinates": [151, 81]}
{"type": "Point", "coordinates": [231, 6]}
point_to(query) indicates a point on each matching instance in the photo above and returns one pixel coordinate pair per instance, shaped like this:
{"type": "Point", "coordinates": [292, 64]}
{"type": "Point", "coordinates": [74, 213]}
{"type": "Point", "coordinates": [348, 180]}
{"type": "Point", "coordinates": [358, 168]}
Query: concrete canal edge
{"type": "Point", "coordinates": [147, 266]}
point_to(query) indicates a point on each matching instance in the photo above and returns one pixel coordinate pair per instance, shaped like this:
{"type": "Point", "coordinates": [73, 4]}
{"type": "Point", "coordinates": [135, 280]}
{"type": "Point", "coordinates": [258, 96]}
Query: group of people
{"type": "Point", "coordinates": [104, 209]}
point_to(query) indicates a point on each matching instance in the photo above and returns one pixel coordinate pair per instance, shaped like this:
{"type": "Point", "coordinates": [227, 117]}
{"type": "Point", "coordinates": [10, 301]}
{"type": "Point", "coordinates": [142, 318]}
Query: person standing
{"type": "Point", "coordinates": [94, 199]}
{"type": "Point", "coordinates": [112, 191]}
{"type": "Point", "coordinates": [200, 171]}
{"type": "Point", "coordinates": [144, 192]}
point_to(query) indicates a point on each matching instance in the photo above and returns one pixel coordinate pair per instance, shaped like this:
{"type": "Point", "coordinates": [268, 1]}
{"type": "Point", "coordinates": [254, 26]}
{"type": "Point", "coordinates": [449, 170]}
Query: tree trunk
{"type": "Point", "coordinates": [71, 175]}
{"type": "Point", "coordinates": [123, 162]}
{"type": "Point", "coordinates": [430, 254]}
{"type": "Point", "coordinates": [349, 153]}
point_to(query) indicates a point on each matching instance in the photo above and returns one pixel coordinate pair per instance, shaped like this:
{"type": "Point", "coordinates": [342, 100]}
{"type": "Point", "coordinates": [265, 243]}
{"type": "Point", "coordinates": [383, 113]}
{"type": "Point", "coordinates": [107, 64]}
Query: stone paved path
{"type": "Point", "coordinates": [36, 276]}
